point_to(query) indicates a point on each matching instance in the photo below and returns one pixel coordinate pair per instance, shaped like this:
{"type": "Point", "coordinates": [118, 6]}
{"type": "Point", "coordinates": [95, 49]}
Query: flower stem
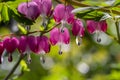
{"type": "Point", "coordinates": [14, 68]}
{"type": "Point", "coordinates": [118, 32]}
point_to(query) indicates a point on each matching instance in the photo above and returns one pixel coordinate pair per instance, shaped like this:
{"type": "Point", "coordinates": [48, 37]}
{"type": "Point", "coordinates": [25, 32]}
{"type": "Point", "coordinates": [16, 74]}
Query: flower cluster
{"type": "Point", "coordinates": [58, 35]}
{"type": "Point", "coordinates": [25, 45]}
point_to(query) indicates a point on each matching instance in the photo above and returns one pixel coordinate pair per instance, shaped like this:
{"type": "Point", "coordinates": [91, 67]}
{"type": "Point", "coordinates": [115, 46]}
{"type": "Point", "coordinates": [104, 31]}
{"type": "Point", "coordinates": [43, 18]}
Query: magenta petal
{"type": "Point", "coordinates": [91, 26]}
{"type": "Point", "coordinates": [43, 42]}
{"type": "Point", "coordinates": [22, 44]}
{"type": "Point", "coordinates": [77, 25]}
{"type": "Point", "coordinates": [10, 44]}
{"type": "Point", "coordinates": [44, 6]}
{"type": "Point", "coordinates": [47, 5]}
{"type": "Point", "coordinates": [103, 26]}
{"type": "Point", "coordinates": [30, 10]}
{"type": "Point", "coordinates": [54, 36]}
{"type": "Point", "coordinates": [65, 36]}
{"type": "Point", "coordinates": [1, 51]}
{"type": "Point", "coordinates": [81, 32]}
{"type": "Point", "coordinates": [32, 43]}
{"type": "Point", "coordinates": [59, 12]}
{"type": "Point", "coordinates": [68, 15]}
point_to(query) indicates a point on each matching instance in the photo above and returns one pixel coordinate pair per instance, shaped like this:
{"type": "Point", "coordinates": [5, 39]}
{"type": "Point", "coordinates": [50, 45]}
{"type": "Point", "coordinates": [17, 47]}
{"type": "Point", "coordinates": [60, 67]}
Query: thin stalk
{"type": "Point", "coordinates": [15, 67]}
{"type": "Point", "coordinates": [118, 32]}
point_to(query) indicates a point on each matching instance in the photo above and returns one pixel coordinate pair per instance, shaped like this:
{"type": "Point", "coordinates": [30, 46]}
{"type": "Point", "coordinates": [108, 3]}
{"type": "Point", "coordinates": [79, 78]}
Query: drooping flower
{"type": "Point", "coordinates": [43, 44]}
{"type": "Point", "coordinates": [38, 44]}
{"type": "Point", "coordinates": [78, 30]}
{"type": "Point", "coordinates": [44, 6]}
{"type": "Point", "coordinates": [1, 51]}
{"type": "Point", "coordinates": [22, 47]}
{"type": "Point", "coordinates": [10, 44]}
{"type": "Point", "coordinates": [96, 27]}
{"type": "Point", "coordinates": [30, 10]}
{"type": "Point", "coordinates": [56, 36]}
{"type": "Point", "coordinates": [63, 13]}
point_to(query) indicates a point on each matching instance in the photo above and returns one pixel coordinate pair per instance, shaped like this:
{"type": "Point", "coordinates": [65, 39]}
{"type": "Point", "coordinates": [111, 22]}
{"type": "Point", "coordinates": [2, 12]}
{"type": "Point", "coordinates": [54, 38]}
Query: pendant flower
{"type": "Point", "coordinates": [30, 10]}
{"type": "Point", "coordinates": [78, 30]}
{"type": "Point", "coordinates": [1, 51]}
{"type": "Point", "coordinates": [56, 36]}
{"type": "Point", "coordinates": [44, 6]}
{"type": "Point", "coordinates": [63, 13]}
{"type": "Point", "coordinates": [38, 44]}
{"type": "Point", "coordinates": [10, 44]}
{"type": "Point", "coordinates": [22, 47]}
{"type": "Point", "coordinates": [96, 27]}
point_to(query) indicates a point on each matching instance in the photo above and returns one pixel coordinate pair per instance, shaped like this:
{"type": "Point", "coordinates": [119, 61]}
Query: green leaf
{"type": "Point", "coordinates": [5, 13]}
{"type": "Point", "coordinates": [51, 24]}
{"type": "Point", "coordinates": [24, 66]}
{"type": "Point", "coordinates": [91, 15]}
{"type": "Point", "coordinates": [22, 29]}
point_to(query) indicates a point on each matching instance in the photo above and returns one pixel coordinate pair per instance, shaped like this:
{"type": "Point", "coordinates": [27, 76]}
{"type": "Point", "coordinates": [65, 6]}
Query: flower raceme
{"type": "Point", "coordinates": [96, 27]}
{"type": "Point", "coordinates": [29, 9]}
{"type": "Point", "coordinates": [24, 44]}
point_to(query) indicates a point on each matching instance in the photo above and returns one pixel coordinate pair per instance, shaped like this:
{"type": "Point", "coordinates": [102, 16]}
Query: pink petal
{"type": "Point", "coordinates": [44, 6]}
{"type": "Point", "coordinates": [32, 43]}
{"type": "Point", "coordinates": [69, 17]}
{"type": "Point", "coordinates": [81, 32]}
{"type": "Point", "coordinates": [59, 12]}
{"type": "Point", "coordinates": [1, 51]}
{"type": "Point", "coordinates": [76, 27]}
{"type": "Point", "coordinates": [30, 10]}
{"type": "Point", "coordinates": [65, 36]}
{"type": "Point", "coordinates": [43, 43]}
{"type": "Point", "coordinates": [91, 26]}
{"type": "Point", "coordinates": [54, 36]}
{"type": "Point", "coordinates": [22, 44]}
{"type": "Point", "coordinates": [103, 26]}
{"type": "Point", "coordinates": [10, 44]}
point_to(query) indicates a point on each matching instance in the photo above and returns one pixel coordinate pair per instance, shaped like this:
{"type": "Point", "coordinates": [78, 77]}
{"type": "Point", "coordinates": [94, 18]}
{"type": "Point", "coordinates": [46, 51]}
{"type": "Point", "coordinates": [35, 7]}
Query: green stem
{"type": "Point", "coordinates": [118, 32]}
{"type": "Point", "coordinates": [14, 68]}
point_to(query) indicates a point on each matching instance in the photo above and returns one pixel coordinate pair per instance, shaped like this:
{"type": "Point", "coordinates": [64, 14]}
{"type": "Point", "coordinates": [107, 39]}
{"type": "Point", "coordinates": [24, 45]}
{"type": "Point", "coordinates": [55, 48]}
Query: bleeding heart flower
{"type": "Point", "coordinates": [32, 43]}
{"type": "Point", "coordinates": [10, 44]}
{"type": "Point", "coordinates": [29, 9]}
{"type": "Point", "coordinates": [96, 27]}
{"type": "Point", "coordinates": [56, 36]}
{"type": "Point", "coordinates": [62, 12]}
{"type": "Point", "coordinates": [38, 44]}
{"type": "Point", "coordinates": [22, 47]}
{"type": "Point", "coordinates": [78, 30]}
{"type": "Point", "coordinates": [1, 51]}
{"type": "Point", "coordinates": [43, 43]}
{"type": "Point", "coordinates": [44, 6]}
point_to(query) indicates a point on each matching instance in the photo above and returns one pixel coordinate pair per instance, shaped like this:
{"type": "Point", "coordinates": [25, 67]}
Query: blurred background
{"type": "Point", "coordinates": [89, 61]}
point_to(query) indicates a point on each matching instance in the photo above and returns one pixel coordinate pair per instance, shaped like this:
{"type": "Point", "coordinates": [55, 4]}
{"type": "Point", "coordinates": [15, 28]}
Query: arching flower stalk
{"type": "Point", "coordinates": [78, 30]}
{"type": "Point", "coordinates": [96, 27]}
{"type": "Point", "coordinates": [62, 14]}
{"type": "Point", "coordinates": [58, 37]}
